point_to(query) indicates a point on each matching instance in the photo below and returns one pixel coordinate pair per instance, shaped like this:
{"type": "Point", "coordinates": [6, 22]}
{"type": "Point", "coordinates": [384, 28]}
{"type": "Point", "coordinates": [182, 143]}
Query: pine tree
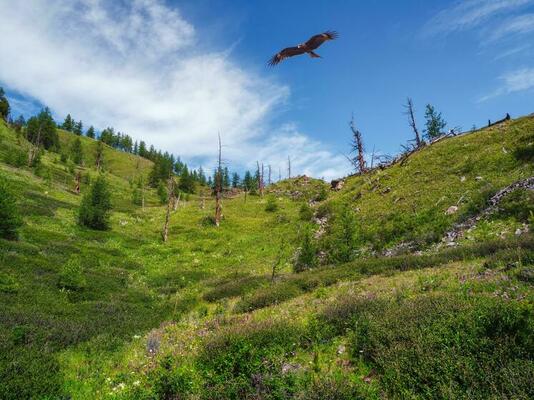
{"type": "Point", "coordinates": [187, 184]}
{"type": "Point", "coordinates": [95, 207]}
{"type": "Point", "coordinates": [434, 123]}
{"type": "Point", "coordinates": [68, 124]}
{"type": "Point", "coordinates": [91, 132]}
{"type": "Point", "coordinates": [41, 130]}
{"type": "Point", "coordinates": [345, 236]}
{"type": "Point", "coordinates": [4, 105]}
{"type": "Point", "coordinates": [306, 257]}
{"type": "Point", "coordinates": [226, 178]}
{"type": "Point", "coordinates": [235, 180]}
{"type": "Point", "coordinates": [77, 151]}
{"type": "Point", "coordinates": [10, 219]}
{"type": "Point", "coordinates": [78, 128]}
{"type": "Point", "coordinates": [162, 193]}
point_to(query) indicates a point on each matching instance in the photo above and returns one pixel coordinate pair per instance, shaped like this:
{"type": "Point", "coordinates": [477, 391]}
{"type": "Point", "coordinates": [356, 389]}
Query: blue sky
{"type": "Point", "coordinates": [174, 73]}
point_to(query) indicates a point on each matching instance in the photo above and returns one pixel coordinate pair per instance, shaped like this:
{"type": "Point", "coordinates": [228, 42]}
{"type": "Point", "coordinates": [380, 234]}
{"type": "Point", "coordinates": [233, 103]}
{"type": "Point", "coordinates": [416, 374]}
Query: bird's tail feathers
{"type": "Point", "coordinates": [314, 55]}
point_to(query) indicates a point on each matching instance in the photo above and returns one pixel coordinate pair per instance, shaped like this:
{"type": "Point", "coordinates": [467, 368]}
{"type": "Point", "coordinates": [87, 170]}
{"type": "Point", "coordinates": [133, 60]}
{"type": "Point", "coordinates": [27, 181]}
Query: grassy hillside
{"type": "Point", "coordinates": [408, 202]}
{"type": "Point", "coordinates": [120, 315]}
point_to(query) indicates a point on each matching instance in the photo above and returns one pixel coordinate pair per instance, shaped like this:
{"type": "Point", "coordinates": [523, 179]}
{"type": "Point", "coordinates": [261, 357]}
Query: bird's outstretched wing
{"type": "Point", "coordinates": [286, 53]}
{"type": "Point", "coordinates": [317, 40]}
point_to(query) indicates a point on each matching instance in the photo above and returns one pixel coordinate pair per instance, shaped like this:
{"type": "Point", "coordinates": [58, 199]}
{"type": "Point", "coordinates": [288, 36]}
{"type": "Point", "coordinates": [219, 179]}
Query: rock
{"type": "Point", "coordinates": [518, 232]}
{"type": "Point", "coordinates": [337, 184]}
{"type": "Point", "coordinates": [451, 210]}
{"type": "Point", "coordinates": [341, 349]}
{"type": "Point", "coordinates": [462, 179]}
{"type": "Point", "coordinates": [478, 178]}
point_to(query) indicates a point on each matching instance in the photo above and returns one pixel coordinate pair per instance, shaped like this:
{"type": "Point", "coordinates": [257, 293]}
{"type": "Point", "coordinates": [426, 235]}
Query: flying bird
{"type": "Point", "coordinates": [313, 43]}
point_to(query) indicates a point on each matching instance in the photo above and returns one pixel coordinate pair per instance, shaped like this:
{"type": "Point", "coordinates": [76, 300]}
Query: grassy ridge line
{"type": "Point", "coordinates": [409, 202]}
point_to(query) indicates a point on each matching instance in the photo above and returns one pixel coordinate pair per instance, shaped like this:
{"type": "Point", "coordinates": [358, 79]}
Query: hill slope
{"type": "Point", "coordinates": [119, 314]}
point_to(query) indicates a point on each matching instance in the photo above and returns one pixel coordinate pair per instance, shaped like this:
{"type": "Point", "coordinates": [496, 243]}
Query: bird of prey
{"type": "Point", "coordinates": [313, 43]}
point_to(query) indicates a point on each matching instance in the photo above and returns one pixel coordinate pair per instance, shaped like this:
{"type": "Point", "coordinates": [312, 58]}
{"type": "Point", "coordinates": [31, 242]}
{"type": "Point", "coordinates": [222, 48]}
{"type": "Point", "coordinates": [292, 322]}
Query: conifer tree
{"type": "Point", "coordinates": [77, 128]}
{"type": "Point", "coordinates": [95, 206]}
{"type": "Point", "coordinates": [68, 124]}
{"type": "Point", "coordinates": [306, 257]}
{"type": "Point", "coordinates": [10, 219]}
{"type": "Point", "coordinates": [235, 180]}
{"type": "Point", "coordinates": [4, 105]}
{"type": "Point", "coordinates": [91, 132]}
{"type": "Point", "coordinates": [345, 236]}
{"type": "Point", "coordinates": [434, 123]}
{"type": "Point", "coordinates": [99, 156]}
{"type": "Point", "coordinates": [77, 151]}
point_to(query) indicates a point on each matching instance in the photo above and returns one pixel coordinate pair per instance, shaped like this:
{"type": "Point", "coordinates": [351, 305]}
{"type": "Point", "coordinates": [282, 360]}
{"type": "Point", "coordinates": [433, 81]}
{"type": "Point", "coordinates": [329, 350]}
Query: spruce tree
{"type": "Point", "coordinates": [91, 132]}
{"type": "Point", "coordinates": [68, 124]}
{"type": "Point", "coordinates": [306, 257]}
{"type": "Point", "coordinates": [235, 180]}
{"type": "Point", "coordinates": [41, 130]}
{"type": "Point", "coordinates": [78, 128]}
{"type": "Point", "coordinates": [77, 151]}
{"type": "Point", "coordinates": [345, 236]}
{"type": "Point", "coordinates": [434, 123]}
{"type": "Point", "coordinates": [10, 219]}
{"type": "Point", "coordinates": [4, 105]}
{"type": "Point", "coordinates": [95, 207]}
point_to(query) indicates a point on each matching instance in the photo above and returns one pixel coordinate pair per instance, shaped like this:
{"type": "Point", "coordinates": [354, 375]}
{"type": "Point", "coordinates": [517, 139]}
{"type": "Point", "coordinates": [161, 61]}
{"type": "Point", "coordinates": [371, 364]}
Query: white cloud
{"type": "Point", "coordinates": [515, 81]}
{"type": "Point", "coordinates": [136, 65]}
{"type": "Point", "coordinates": [522, 24]}
{"type": "Point", "coordinates": [467, 14]}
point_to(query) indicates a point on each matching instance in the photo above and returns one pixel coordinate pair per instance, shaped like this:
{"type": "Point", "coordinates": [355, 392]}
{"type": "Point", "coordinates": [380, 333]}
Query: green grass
{"type": "Point", "coordinates": [120, 315]}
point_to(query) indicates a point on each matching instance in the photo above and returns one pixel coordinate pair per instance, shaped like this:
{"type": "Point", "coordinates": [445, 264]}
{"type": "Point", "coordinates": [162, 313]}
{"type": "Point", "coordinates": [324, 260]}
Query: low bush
{"type": "Point", "coordinates": [518, 204]}
{"type": "Point", "coordinates": [234, 288]}
{"type": "Point", "coordinates": [305, 212]}
{"type": "Point", "coordinates": [271, 205]}
{"type": "Point", "coordinates": [10, 220]}
{"type": "Point", "coordinates": [442, 346]}
{"type": "Point", "coordinates": [268, 296]}
{"type": "Point", "coordinates": [71, 276]}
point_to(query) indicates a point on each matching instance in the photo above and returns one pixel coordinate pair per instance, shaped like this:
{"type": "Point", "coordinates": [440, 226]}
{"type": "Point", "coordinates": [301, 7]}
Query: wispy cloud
{"type": "Point", "coordinates": [512, 82]}
{"type": "Point", "coordinates": [468, 14]}
{"type": "Point", "coordinates": [519, 25]}
{"type": "Point", "coordinates": [138, 66]}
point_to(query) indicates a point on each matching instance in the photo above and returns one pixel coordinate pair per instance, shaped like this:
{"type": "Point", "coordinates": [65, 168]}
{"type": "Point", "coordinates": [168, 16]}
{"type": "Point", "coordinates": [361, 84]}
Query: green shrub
{"type": "Point", "coordinates": [10, 220]}
{"type": "Point", "coordinates": [245, 361]}
{"type": "Point", "coordinates": [344, 241]}
{"type": "Point", "coordinates": [518, 204]}
{"type": "Point", "coordinates": [17, 158]}
{"type": "Point", "coordinates": [95, 206]}
{"type": "Point", "coordinates": [71, 276]}
{"type": "Point", "coordinates": [268, 296]}
{"type": "Point", "coordinates": [271, 205]}
{"type": "Point", "coordinates": [306, 257]}
{"type": "Point", "coordinates": [442, 346]}
{"type": "Point", "coordinates": [162, 193]}
{"type": "Point", "coordinates": [305, 212]}
{"type": "Point", "coordinates": [325, 210]}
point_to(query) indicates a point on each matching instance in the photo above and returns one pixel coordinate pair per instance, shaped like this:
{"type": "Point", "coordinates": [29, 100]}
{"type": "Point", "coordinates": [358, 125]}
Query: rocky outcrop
{"type": "Point", "coordinates": [459, 229]}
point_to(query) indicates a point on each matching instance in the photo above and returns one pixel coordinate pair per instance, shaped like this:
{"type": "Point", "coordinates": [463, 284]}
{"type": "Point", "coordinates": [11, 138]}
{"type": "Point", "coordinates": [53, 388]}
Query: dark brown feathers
{"type": "Point", "coordinates": [313, 43]}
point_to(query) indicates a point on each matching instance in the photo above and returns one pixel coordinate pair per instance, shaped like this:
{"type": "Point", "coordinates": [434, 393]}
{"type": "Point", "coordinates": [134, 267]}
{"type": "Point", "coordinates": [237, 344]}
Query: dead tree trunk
{"type": "Point", "coordinates": [218, 187]}
{"type": "Point", "coordinates": [260, 178]}
{"type": "Point", "coordinates": [288, 167]}
{"type": "Point", "coordinates": [177, 201]}
{"type": "Point", "coordinates": [357, 147]}
{"type": "Point", "coordinates": [170, 191]}
{"type": "Point", "coordinates": [34, 148]}
{"type": "Point", "coordinates": [77, 182]}
{"type": "Point", "coordinates": [269, 181]}
{"type": "Point", "coordinates": [410, 112]}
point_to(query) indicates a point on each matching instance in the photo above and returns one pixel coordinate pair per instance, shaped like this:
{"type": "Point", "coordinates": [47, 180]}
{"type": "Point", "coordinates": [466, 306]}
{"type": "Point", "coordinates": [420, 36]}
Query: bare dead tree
{"type": "Point", "coordinates": [176, 202]}
{"type": "Point", "coordinates": [77, 182]}
{"type": "Point", "coordinates": [218, 186]}
{"type": "Point", "coordinates": [279, 174]}
{"type": "Point", "coordinates": [259, 173]}
{"type": "Point", "coordinates": [202, 199]}
{"type": "Point", "coordinates": [170, 202]}
{"type": "Point", "coordinates": [278, 259]}
{"type": "Point", "coordinates": [288, 167]}
{"type": "Point", "coordinates": [357, 148]}
{"type": "Point", "coordinates": [269, 167]}
{"type": "Point", "coordinates": [34, 147]}
{"type": "Point", "coordinates": [410, 112]}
